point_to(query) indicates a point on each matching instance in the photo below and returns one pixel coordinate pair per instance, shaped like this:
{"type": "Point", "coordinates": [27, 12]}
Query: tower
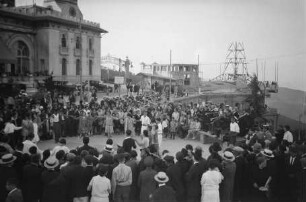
{"type": "Point", "coordinates": [235, 67]}
{"type": "Point", "coordinates": [67, 7]}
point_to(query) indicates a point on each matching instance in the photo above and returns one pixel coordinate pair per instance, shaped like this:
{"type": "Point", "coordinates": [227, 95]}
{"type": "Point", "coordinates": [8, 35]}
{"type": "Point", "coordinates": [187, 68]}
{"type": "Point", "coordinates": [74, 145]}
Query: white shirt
{"type": "Point", "coordinates": [176, 116]}
{"type": "Point", "coordinates": [55, 118]}
{"type": "Point", "coordinates": [145, 120]}
{"type": "Point", "coordinates": [100, 187]}
{"type": "Point", "coordinates": [60, 147]}
{"type": "Point", "coordinates": [159, 129]}
{"type": "Point", "coordinates": [27, 144]}
{"type": "Point", "coordinates": [234, 127]}
{"type": "Point", "coordinates": [288, 136]}
{"type": "Point", "coordinates": [10, 128]}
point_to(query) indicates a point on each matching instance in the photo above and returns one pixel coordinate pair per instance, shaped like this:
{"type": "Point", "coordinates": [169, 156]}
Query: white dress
{"type": "Point", "coordinates": [100, 189]}
{"type": "Point", "coordinates": [35, 131]}
{"type": "Point", "coordinates": [210, 186]}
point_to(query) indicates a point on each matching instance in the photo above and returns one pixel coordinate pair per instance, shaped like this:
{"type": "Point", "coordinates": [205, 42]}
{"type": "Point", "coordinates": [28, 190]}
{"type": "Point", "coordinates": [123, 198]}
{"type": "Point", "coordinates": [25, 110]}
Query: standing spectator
{"type": "Point", "coordinates": [121, 180]}
{"type": "Point", "coordinates": [229, 169]}
{"type": "Point", "coordinates": [302, 182]}
{"type": "Point", "coordinates": [100, 186]}
{"type": "Point", "coordinates": [129, 124]}
{"type": "Point", "coordinates": [9, 130]}
{"type": "Point", "coordinates": [163, 192]}
{"type": "Point", "coordinates": [159, 133]}
{"type": "Point", "coordinates": [145, 121]}
{"type": "Point", "coordinates": [87, 147]}
{"type": "Point", "coordinates": [133, 164]}
{"type": "Point", "coordinates": [234, 131]}
{"type": "Point", "coordinates": [210, 182]}
{"type": "Point", "coordinates": [128, 142]}
{"type": "Point", "coordinates": [7, 171]}
{"type": "Point", "coordinates": [32, 186]}
{"type": "Point", "coordinates": [15, 194]}
{"type": "Point", "coordinates": [288, 137]}
{"type": "Point", "coordinates": [51, 192]}
{"type": "Point", "coordinates": [27, 126]}
{"type": "Point", "coordinates": [175, 178]}
{"type": "Point", "coordinates": [109, 124]}
{"type": "Point", "coordinates": [56, 125]}
{"type": "Point", "coordinates": [146, 181]}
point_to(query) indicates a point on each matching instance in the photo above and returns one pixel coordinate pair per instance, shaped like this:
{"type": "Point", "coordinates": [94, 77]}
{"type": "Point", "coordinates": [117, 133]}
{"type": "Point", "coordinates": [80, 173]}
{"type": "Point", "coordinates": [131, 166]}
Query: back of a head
{"type": "Point", "coordinates": [88, 159]}
{"type": "Point", "coordinates": [128, 132]}
{"type": "Point", "coordinates": [30, 136]}
{"type": "Point", "coordinates": [35, 158]}
{"type": "Point", "coordinates": [33, 150]}
{"type": "Point", "coordinates": [213, 163]}
{"type": "Point", "coordinates": [85, 140]}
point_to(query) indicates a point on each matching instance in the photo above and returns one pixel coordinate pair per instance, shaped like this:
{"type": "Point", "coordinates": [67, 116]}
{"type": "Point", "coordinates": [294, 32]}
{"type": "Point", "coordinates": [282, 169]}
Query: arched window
{"type": "Point", "coordinates": [64, 41]}
{"type": "Point", "coordinates": [78, 67]}
{"type": "Point", "coordinates": [90, 67]}
{"type": "Point", "coordinates": [78, 42]}
{"type": "Point", "coordinates": [64, 67]}
{"type": "Point", "coordinates": [23, 58]}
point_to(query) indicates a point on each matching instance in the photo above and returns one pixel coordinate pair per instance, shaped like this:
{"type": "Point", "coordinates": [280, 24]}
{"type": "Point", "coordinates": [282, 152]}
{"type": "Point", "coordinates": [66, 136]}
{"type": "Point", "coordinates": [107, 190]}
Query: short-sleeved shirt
{"type": "Point", "coordinates": [101, 186]}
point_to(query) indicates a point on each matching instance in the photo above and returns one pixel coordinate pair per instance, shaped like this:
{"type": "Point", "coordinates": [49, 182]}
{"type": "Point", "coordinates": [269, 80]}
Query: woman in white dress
{"type": "Point", "coordinates": [100, 186]}
{"type": "Point", "coordinates": [210, 182]}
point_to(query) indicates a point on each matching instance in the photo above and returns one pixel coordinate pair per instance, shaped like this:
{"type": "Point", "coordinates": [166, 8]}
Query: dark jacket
{"type": "Point", "coordinates": [192, 179]}
{"type": "Point", "coordinates": [5, 173]}
{"type": "Point", "coordinates": [32, 186]}
{"type": "Point", "coordinates": [163, 194]}
{"type": "Point", "coordinates": [176, 181]}
{"type": "Point", "coordinates": [51, 192]}
{"type": "Point", "coordinates": [128, 144]}
{"type": "Point", "coordinates": [15, 196]}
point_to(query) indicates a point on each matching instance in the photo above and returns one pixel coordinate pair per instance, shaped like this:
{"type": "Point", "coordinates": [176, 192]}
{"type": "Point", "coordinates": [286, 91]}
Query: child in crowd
{"type": "Point", "coordinates": [165, 127]}
{"type": "Point", "coordinates": [173, 128]}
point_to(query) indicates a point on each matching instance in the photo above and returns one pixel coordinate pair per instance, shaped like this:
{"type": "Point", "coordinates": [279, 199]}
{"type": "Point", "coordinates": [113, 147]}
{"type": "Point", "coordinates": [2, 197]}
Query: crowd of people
{"type": "Point", "coordinates": [262, 167]}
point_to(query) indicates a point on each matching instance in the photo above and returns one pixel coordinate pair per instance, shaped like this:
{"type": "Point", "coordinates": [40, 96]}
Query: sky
{"type": "Point", "coordinates": [146, 30]}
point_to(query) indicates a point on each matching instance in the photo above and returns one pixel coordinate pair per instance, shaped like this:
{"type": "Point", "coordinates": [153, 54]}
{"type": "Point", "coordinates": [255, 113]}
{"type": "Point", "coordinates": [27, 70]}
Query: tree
{"type": "Point", "coordinates": [257, 97]}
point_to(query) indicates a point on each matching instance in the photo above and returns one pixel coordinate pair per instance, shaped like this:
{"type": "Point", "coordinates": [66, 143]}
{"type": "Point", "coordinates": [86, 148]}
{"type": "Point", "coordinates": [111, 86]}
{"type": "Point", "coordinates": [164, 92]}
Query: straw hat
{"type": "Point", "coordinates": [268, 153]}
{"type": "Point", "coordinates": [229, 156]}
{"type": "Point", "coordinates": [161, 177]}
{"type": "Point", "coordinates": [51, 163]}
{"type": "Point", "coordinates": [7, 159]}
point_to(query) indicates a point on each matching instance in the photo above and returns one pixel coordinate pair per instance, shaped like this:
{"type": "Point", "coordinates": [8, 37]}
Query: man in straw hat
{"type": "Point", "coordinates": [6, 171]}
{"type": "Point", "coordinates": [163, 192]}
{"type": "Point", "coordinates": [229, 169]}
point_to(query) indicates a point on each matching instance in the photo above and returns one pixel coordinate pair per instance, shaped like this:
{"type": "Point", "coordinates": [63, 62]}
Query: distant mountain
{"type": "Point", "coordinates": [289, 103]}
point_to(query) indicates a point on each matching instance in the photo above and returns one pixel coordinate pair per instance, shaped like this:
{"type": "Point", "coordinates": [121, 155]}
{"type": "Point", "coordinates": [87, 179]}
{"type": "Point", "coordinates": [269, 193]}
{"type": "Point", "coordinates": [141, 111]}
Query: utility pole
{"type": "Point", "coordinates": [170, 72]}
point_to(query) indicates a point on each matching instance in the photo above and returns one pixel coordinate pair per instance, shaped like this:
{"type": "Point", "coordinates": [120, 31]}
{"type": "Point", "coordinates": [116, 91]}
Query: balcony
{"type": "Point", "coordinates": [90, 53]}
{"type": "Point", "coordinates": [64, 50]}
{"type": "Point", "coordinates": [77, 52]}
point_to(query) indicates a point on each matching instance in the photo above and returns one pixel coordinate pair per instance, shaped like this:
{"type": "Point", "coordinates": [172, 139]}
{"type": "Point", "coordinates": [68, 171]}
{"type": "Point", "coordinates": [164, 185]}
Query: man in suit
{"type": "Point", "coordinates": [292, 168]}
{"type": "Point", "coordinates": [73, 179]}
{"type": "Point", "coordinates": [6, 172]}
{"type": "Point", "coordinates": [32, 186]}
{"type": "Point", "coordinates": [87, 147]}
{"type": "Point", "coordinates": [193, 178]}
{"type": "Point", "coordinates": [163, 192]}
{"type": "Point", "coordinates": [128, 142]}
{"type": "Point", "coordinates": [15, 194]}
{"type": "Point", "coordinates": [175, 178]}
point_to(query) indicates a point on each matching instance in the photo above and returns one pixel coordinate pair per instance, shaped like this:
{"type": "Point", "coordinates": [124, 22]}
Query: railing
{"type": "Point", "coordinates": [77, 52]}
{"type": "Point", "coordinates": [91, 53]}
{"type": "Point", "coordinates": [63, 50]}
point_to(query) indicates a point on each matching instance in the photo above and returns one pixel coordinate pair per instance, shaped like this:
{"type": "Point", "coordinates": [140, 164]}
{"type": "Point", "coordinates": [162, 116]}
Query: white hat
{"type": "Point", "coordinates": [161, 177]}
{"type": "Point", "coordinates": [268, 153]}
{"type": "Point", "coordinates": [7, 159]}
{"type": "Point", "coordinates": [228, 156]}
{"type": "Point", "coordinates": [108, 148]}
{"type": "Point", "coordinates": [51, 163]}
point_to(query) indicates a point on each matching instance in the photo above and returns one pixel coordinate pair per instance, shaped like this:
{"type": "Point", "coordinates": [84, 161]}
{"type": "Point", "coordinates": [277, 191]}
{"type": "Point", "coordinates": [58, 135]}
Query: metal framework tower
{"type": "Point", "coordinates": [235, 66]}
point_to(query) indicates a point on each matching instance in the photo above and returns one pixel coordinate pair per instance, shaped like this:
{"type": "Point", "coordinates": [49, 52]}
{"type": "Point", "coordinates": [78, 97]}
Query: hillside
{"type": "Point", "coordinates": [289, 103]}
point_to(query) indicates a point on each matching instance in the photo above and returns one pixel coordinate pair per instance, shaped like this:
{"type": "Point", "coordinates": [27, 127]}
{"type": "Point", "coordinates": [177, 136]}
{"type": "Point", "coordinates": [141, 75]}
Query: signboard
{"type": "Point", "coordinates": [119, 80]}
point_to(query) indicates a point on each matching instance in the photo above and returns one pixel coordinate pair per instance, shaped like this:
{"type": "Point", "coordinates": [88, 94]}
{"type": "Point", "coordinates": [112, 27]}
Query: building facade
{"type": "Point", "coordinates": [49, 39]}
{"type": "Point", "coordinates": [184, 74]}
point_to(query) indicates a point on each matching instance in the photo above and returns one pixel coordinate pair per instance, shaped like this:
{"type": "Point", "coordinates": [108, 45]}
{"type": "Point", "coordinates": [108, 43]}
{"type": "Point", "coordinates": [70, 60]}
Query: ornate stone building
{"type": "Point", "coordinates": [53, 38]}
